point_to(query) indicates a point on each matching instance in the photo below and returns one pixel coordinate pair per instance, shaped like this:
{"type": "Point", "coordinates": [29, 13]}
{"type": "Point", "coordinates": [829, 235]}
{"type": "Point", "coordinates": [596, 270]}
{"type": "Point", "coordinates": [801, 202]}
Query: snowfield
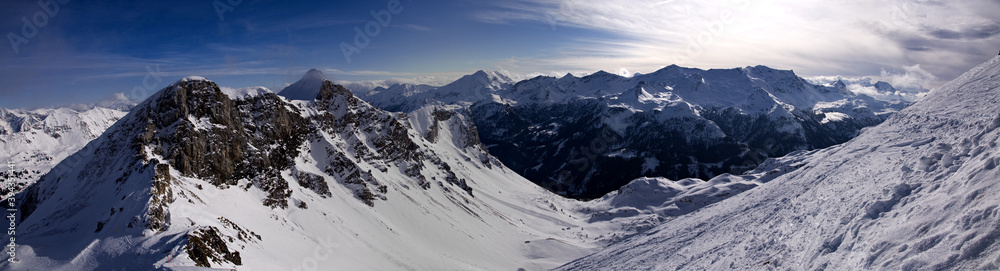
{"type": "Point", "coordinates": [914, 193]}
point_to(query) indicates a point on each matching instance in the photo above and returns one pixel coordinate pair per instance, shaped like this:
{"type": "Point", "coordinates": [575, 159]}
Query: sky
{"type": "Point", "coordinates": [60, 52]}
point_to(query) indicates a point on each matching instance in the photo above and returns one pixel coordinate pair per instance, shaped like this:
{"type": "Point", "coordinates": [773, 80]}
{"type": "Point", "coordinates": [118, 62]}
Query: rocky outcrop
{"type": "Point", "coordinates": [202, 133]}
{"type": "Point", "coordinates": [206, 246]}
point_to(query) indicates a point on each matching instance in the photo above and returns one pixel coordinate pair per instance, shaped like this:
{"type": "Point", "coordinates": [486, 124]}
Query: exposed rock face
{"type": "Point", "coordinates": [585, 137]}
{"type": "Point", "coordinates": [207, 152]}
{"type": "Point", "coordinates": [190, 142]}
{"type": "Point", "coordinates": [589, 157]}
{"type": "Point", "coordinates": [205, 247]}
{"type": "Point", "coordinates": [162, 195]}
{"type": "Point", "coordinates": [202, 133]}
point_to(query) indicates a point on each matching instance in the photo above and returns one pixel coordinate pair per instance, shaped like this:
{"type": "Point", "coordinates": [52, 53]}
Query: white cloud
{"type": "Point", "coordinates": [865, 85]}
{"type": "Point", "coordinates": [117, 100]}
{"type": "Point", "coordinates": [911, 79]}
{"type": "Point", "coordinates": [624, 72]}
{"type": "Point", "coordinates": [813, 37]}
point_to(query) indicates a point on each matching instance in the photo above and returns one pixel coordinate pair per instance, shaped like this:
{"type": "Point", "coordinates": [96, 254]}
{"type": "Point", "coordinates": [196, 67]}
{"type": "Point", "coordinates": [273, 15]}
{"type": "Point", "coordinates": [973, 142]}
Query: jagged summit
{"type": "Point", "coordinates": [306, 88]}
{"type": "Point", "coordinates": [329, 91]}
{"type": "Point", "coordinates": [601, 74]}
{"type": "Point", "coordinates": [315, 74]}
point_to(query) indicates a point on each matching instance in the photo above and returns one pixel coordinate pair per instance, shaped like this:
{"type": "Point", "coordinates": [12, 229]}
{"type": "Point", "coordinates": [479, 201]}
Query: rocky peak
{"type": "Point", "coordinates": [600, 74]}
{"type": "Point", "coordinates": [314, 74]}
{"type": "Point", "coordinates": [306, 88]}
{"type": "Point", "coordinates": [329, 91]}
{"type": "Point", "coordinates": [884, 87]}
{"type": "Point", "coordinates": [840, 85]}
{"type": "Point", "coordinates": [202, 133]}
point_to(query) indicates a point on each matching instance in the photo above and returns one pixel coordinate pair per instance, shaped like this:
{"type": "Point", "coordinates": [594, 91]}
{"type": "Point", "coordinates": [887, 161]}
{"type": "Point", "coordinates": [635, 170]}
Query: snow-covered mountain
{"type": "Point", "coordinates": [195, 176]}
{"type": "Point", "coordinates": [479, 86]}
{"type": "Point", "coordinates": [306, 88]}
{"type": "Point", "coordinates": [914, 193]}
{"type": "Point", "coordinates": [34, 141]}
{"type": "Point", "coordinates": [586, 136]}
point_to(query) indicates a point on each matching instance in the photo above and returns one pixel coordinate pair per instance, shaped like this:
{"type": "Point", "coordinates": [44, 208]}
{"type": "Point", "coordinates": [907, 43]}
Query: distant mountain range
{"type": "Point", "coordinates": [914, 193]}
{"type": "Point", "coordinates": [199, 175]}
{"type": "Point", "coordinates": [586, 136]}
{"type": "Point", "coordinates": [35, 141]}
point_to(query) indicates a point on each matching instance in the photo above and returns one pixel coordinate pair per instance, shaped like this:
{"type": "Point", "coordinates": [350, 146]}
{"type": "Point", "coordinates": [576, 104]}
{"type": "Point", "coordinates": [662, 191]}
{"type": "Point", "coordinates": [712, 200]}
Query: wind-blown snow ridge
{"type": "Point", "coordinates": [912, 193]}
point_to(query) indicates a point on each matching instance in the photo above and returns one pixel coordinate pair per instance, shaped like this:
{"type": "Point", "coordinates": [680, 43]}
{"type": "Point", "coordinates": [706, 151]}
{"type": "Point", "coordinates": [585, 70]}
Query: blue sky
{"type": "Point", "coordinates": [86, 52]}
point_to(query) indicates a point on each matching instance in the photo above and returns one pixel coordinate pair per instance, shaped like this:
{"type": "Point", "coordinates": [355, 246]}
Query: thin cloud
{"type": "Point", "coordinates": [971, 33]}
{"type": "Point", "coordinates": [847, 37]}
{"type": "Point", "coordinates": [412, 27]}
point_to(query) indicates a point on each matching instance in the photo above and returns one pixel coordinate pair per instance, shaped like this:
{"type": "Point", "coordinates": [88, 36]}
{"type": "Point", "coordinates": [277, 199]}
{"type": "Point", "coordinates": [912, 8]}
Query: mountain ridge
{"type": "Point", "coordinates": [192, 178]}
{"type": "Point", "coordinates": [905, 194]}
{"type": "Point", "coordinates": [675, 122]}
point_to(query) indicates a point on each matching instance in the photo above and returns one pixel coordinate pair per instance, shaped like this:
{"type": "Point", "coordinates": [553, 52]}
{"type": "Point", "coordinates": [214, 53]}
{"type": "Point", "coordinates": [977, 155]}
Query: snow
{"type": "Point", "coordinates": [243, 93]}
{"type": "Point", "coordinates": [676, 97]}
{"type": "Point", "coordinates": [506, 222]}
{"type": "Point", "coordinates": [36, 140]}
{"type": "Point", "coordinates": [833, 117]}
{"type": "Point", "coordinates": [479, 86]}
{"type": "Point", "coordinates": [306, 88]}
{"type": "Point", "coordinates": [911, 193]}
{"type": "Point", "coordinates": [192, 78]}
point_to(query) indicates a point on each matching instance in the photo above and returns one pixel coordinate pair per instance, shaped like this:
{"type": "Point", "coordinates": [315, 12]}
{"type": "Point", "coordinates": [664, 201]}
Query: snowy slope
{"type": "Point", "coordinates": [192, 177]}
{"type": "Point", "coordinates": [34, 141]}
{"type": "Point", "coordinates": [586, 136]}
{"type": "Point", "coordinates": [912, 193]}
